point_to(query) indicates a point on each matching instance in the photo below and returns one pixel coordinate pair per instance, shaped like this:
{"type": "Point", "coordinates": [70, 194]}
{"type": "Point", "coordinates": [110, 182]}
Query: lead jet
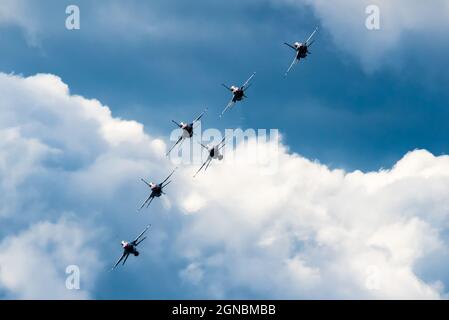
{"type": "Point", "coordinates": [302, 50]}
{"type": "Point", "coordinates": [187, 130]}
{"type": "Point", "coordinates": [213, 153]}
{"type": "Point", "coordinates": [131, 248]}
{"type": "Point", "coordinates": [157, 189]}
{"type": "Point", "coordinates": [238, 93]}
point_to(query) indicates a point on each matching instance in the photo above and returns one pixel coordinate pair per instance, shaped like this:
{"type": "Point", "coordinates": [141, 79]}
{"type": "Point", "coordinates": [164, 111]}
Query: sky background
{"type": "Point", "coordinates": [357, 105]}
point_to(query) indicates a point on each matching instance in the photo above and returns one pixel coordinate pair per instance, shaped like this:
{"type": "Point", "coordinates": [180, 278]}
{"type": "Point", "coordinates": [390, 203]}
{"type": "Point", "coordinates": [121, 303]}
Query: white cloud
{"type": "Point", "coordinates": [310, 231]}
{"type": "Point", "coordinates": [304, 232]}
{"type": "Point", "coordinates": [19, 158]}
{"type": "Point", "coordinates": [63, 153]}
{"type": "Point", "coordinates": [23, 14]}
{"type": "Point", "coordinates": [33, 263]}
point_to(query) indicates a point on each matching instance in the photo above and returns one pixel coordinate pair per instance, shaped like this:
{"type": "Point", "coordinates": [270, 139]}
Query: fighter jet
{"type": "Point", "coordinates": [131, 248]}
{"type": "Point", "coordinates": [238, 93]}
{"type": "Point", "coordinates": [187, 130]}
{"type": "Point", "coordinates": [156, 190]}
{"type": "Point", "coordinates": [302, 50]}
{"type": "Point", "coordinates": [213, 153]}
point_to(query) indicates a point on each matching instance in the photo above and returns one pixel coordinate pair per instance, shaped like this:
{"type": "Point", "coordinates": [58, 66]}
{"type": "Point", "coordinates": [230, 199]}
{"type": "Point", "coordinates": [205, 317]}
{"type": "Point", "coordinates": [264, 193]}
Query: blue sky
{"type": "Point", "coordinates": [329, 109]}
{"type": "Point", "coordinates": [360, 101]}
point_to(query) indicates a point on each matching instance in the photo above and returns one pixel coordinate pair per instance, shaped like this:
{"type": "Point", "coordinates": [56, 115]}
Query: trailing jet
{"type": "Point", "coordinates": [131, 248]}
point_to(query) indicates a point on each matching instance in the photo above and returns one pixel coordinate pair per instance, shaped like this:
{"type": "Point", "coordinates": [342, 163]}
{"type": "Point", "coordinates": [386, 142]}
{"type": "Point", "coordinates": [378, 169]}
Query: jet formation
{"type": "Point", "coordinates": [214, 152]}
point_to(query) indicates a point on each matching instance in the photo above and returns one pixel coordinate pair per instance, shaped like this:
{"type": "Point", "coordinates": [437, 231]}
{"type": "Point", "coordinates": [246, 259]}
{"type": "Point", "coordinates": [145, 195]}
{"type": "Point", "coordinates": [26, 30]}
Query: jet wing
{"type": "Point", "coordinates": [310, 37]}
{"type": "Point", "coordinates": [295, 61]}
{"type": "Point", "coordinates": [246, 89]}
{"type": "Point", "coordinates": [230, 105]}
{"type": "Point", "coordinates": [200, 116]}
{"type": "Point", "coordinates": [137, 243]}
{"type": "Point", "coordinates": [288, 44]}
{"type": "Point", "coordinates": [310, 44]}
{"type": "Point", "coordinates": [226, 87]}
{"type": "Point", "coordinates": [177, 142]}
{"type": "Point", "coordinates": [169, 176]}
{"type": "Point", "coordinates": [146, 183]}
{"type": "Point", "coordinates": [208, 164]}
{"type": "Point", "coordinates": [126, 258]}
{"type": "Point", "coordinates": [119, 260]}
{"type": "Point", "coordinates": [221, 144]}
{"type": "Point", "coordinates": [163, 186]}
{"type": "Point", "coordinates": [209, 159]}
{"type": "Point", "coordinates": [150, 198]}
{"type": "Point", "coordinates": [178, 124]}
{"type": "Point", "coordinates": [141, 234]}
{"type": "Point", "coordinates": [247, 81]}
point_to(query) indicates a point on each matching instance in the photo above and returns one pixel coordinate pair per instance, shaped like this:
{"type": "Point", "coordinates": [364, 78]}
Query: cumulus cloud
{"type": "Point", "coordinates": [67, 135]}
{"type": "Point", "coordinates": [19, 158]}
{"type": "Point", "coordinates": [301, 231]}
{"type": "Point", "coordinates": [309, 231]}
{"type": "Point", "coordinates": [62, 154]}
{"type": "Point", "coordinates": [33, 263]}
